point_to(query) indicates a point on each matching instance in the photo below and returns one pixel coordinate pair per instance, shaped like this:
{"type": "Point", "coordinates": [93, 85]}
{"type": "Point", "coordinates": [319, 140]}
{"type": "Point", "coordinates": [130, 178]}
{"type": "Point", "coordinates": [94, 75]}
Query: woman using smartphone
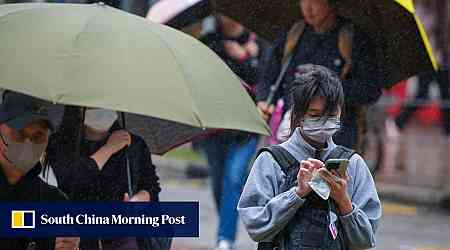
{"type": "Point", "coordinates": [279, 208]}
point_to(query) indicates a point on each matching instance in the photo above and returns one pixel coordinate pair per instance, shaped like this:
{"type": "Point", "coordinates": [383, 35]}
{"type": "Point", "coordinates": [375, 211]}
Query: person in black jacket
{"type": "Point", "coordinates": [100, 173]}
{"type": "Point", "coordinates": [24, 131]}
{"type": "Point", "coordinates": [331, 41]}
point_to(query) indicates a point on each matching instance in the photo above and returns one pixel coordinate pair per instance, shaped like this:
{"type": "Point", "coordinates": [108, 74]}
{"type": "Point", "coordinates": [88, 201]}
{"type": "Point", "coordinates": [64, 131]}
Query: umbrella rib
{"type": "Point", "coordinates": [196, 113]}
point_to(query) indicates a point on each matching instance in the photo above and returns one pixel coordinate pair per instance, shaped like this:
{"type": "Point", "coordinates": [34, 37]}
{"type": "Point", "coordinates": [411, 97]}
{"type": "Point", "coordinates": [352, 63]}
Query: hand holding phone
{"type": "Point", "coordinates": [337, 164]}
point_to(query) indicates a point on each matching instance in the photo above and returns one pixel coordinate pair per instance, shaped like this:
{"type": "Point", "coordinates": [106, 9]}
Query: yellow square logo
{"type": "Point", "coordinates": [21, 219]}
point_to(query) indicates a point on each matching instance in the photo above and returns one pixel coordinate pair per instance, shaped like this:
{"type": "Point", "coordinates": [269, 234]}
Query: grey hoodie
{"type": "Point", "coordinates": [265, 211]}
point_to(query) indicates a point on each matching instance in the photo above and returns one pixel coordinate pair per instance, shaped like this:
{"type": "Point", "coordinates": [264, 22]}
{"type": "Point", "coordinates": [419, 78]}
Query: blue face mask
{"type": "Point", "coordinates": [320, 129]}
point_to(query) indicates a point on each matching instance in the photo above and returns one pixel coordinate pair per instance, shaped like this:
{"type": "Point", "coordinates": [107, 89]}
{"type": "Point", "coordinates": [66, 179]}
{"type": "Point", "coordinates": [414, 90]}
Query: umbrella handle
{"type": "Point", "coordinates": [271, 96]}
{"type": "Point", "coordinates": [130, 186]}
{"type": "Point", "coordinates": [274, 88]}
{"type": "Point", "coordinates": [129, 180]}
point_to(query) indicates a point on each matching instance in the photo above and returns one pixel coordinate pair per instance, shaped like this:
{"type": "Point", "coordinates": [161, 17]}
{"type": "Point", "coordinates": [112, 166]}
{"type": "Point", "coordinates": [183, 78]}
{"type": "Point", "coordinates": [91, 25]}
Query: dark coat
{"type": "Point", "coordinates": [30, 188]}
{"type": "Point", "coordinates": [81, 179]}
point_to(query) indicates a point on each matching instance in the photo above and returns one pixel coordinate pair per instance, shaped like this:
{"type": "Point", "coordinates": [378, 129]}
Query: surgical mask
{"type": "Point", "coordinates": [24, 155]}
{"type": "Point", "coordinates": [100, 119]}
{"type": "Point", "coordinates": [320, 131]}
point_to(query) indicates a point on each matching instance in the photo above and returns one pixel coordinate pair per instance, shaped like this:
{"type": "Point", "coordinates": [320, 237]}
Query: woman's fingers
{"type": "Point", "coordinates": [337, 173]}
{"type": "Point", "coordinates": [126, 197]}
{"type": "Point", "coordinates": [303, 172]}
{"type": "Point", "coordinates": [316, 164]}
{"type": "Point", "coordinates": [124, 137]}
{"type": "Point", "coordinates": [305, 164]}
{"type": "Point", "coordinates": [343, 176]}
{"type": "Point", "coordinates": [332, 180]}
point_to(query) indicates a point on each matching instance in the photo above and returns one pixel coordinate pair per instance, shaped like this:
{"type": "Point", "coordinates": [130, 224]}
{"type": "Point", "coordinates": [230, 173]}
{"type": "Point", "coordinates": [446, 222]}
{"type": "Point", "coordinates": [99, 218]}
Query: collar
{"type": "Point", "coordinates": [23, 187]}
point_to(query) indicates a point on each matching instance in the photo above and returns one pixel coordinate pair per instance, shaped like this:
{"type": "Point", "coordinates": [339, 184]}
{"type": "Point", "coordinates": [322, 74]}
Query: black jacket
{"type": "Point", "coordinates": [29, 189]}
{"type": "Point", "coordinates": [81, 179]}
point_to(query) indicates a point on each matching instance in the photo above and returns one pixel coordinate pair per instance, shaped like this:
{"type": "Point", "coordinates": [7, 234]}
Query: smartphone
{"type": "Point", "coordinates": [337, 164]}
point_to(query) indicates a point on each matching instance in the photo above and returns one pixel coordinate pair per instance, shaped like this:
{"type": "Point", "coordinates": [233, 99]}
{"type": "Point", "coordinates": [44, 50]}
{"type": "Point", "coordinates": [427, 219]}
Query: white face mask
{"type": "Point", "coordinates": [24, 155]}
{"type": "Point", "coordinates": [100, 119]}
{"type": "Point", "coordinates": [320, 131]}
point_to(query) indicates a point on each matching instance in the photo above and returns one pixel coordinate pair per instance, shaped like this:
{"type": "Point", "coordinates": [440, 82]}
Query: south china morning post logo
{"type": "Point", "coordinates": [23, 219]}
{"type": "Point", "coordinates": [108, 219]}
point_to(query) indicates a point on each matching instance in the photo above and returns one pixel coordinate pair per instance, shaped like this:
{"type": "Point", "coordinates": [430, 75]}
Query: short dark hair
{"type": "Point", "coordinates": [315, 81]}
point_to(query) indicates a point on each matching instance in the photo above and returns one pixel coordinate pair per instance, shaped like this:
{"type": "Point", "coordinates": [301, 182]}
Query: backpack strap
{"type": "Point", "coordinates": [292, 39]}
{"type": "Point", "coordinates": [341, 152]}
{"type": "Point", "coordinates": [345, 45]}
{"type": "Point", "coordinates": [284, 159]}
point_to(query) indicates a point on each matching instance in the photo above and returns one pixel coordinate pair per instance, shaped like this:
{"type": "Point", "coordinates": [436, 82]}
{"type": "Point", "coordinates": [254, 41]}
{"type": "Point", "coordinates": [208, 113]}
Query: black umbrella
{"type": "Point", "coordinates": [398, 37]}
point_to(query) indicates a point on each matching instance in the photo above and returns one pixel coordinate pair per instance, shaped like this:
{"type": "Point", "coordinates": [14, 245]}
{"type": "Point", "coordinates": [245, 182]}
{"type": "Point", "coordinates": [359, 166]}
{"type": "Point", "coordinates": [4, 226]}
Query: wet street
{"type": "Point", "coordinates": [404, 227]}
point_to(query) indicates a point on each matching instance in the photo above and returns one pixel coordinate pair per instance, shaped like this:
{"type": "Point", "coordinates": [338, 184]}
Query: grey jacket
{"type": "Point", "coordinates": [265, 211]}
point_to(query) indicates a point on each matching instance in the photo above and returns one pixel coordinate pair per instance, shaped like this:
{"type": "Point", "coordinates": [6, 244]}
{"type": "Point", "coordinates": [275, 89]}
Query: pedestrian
{"type": "Point", "coordinates": [229, 153]}
{"type": "Point", "coordinates": [100, 172]}
{"type": "Point", "coordinates": [324, 38]}
{"type": "Point", "coordinates": [25, 126]}
{"type": "Point", "coordinates": [236, 46]}
{"type": "Point", "coordinates": [279, 208]}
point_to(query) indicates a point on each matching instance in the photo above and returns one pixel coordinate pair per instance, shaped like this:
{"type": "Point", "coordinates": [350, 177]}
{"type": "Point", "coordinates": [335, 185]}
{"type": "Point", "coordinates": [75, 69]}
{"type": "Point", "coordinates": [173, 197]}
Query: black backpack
{"type": "Point", "coordinates": [285, 160]}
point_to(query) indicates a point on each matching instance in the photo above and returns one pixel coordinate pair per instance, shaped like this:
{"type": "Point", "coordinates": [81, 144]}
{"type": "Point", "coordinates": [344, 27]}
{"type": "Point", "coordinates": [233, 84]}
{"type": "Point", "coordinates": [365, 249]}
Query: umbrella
{"type": "Point", "coordinates": [400, 42]}
{"type": "Point", "coordinates": [179, 13]}
{"type": "Point", "coordinates": [98, 56]}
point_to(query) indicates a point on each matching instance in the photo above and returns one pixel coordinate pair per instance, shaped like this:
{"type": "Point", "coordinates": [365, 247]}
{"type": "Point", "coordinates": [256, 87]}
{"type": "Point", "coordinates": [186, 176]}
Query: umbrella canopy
{"type": "Point", "coordinates": [98, 56]}
{"type": "Point", "coordinates": [400, 42]}
{"type": "Point", "coordinates": [179, 13]}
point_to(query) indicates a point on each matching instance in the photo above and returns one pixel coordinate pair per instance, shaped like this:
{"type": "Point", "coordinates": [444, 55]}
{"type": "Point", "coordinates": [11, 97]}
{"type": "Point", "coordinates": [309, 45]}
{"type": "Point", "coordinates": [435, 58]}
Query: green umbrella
{"type": "Point", "coordinates": [98, 56]}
